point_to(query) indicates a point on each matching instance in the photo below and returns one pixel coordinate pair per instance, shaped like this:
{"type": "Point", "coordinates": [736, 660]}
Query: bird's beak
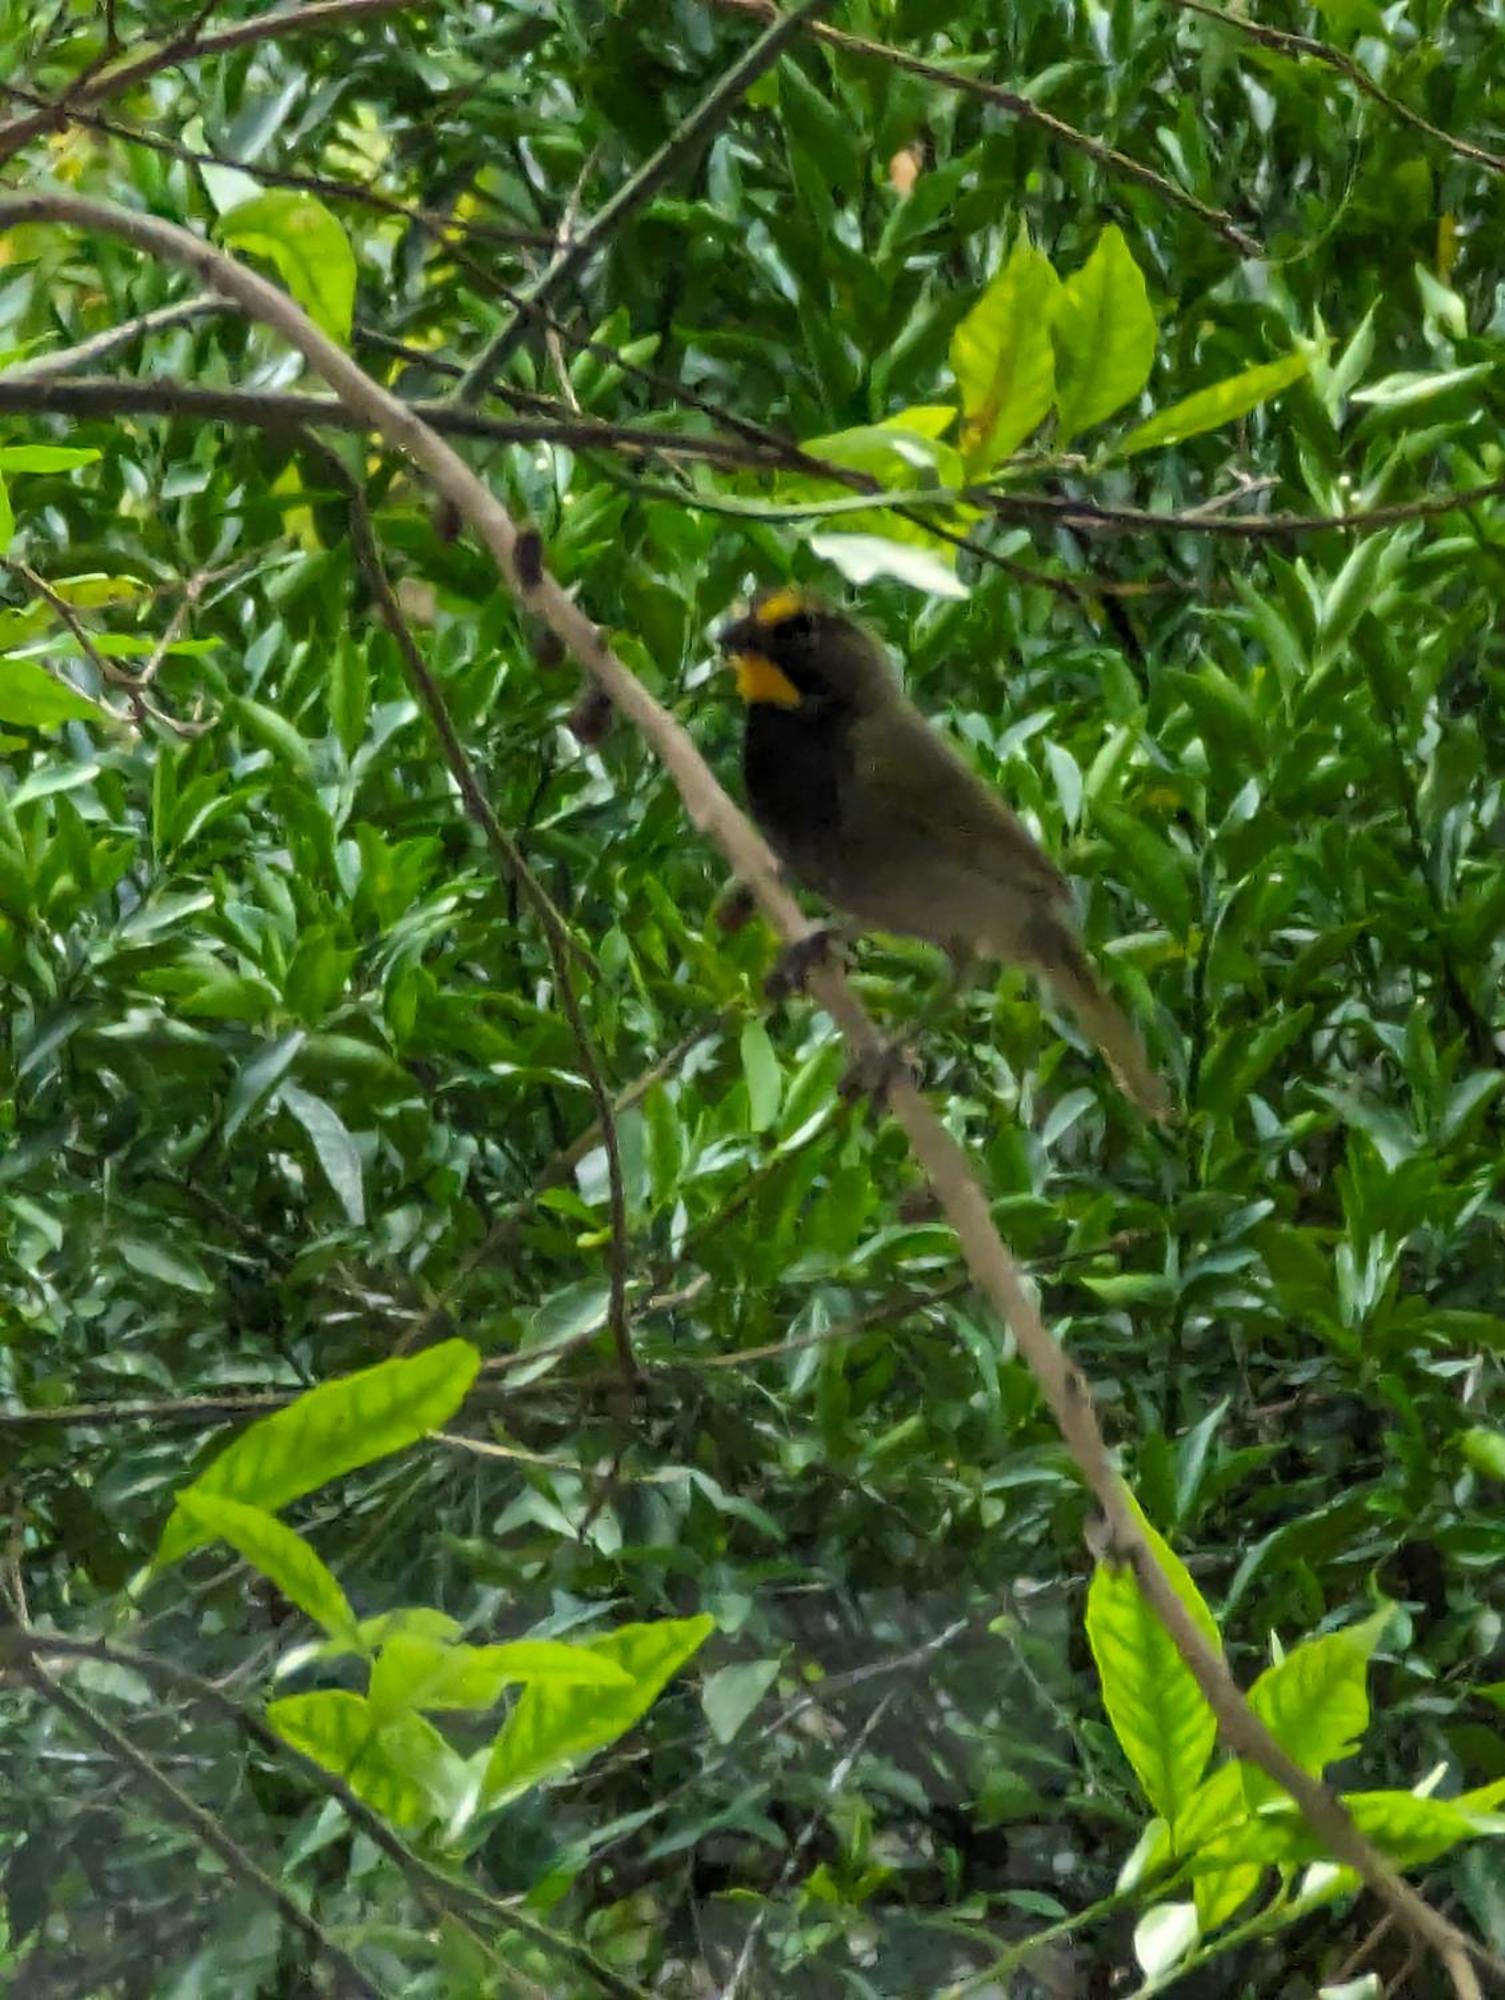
{"type": "Point", "coordinates": [758, 679]}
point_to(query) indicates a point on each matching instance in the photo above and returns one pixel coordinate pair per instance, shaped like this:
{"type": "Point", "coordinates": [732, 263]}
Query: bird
{"type": "Point", "coordinates": [869, 807]}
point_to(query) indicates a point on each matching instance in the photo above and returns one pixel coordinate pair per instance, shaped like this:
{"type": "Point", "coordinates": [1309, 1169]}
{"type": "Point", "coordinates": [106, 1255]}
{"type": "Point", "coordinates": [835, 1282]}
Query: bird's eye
{"type": "Point", "coordinates": [800, 626]}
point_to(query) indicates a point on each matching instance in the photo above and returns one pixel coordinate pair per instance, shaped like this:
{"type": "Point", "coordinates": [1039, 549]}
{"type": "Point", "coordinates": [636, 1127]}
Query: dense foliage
{"type": "Point", "coordinates": [290, 1089]}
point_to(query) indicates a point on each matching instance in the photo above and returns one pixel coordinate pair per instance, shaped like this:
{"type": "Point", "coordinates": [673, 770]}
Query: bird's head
{"type": "Point", "coordinates": [792, 650]}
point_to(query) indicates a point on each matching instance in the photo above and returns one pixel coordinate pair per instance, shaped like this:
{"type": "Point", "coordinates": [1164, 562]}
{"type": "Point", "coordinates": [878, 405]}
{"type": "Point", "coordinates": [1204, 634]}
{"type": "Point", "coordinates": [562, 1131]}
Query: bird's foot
{"type": "Point", "coordinates": [874, 1071]}
{"type": "Point", "coordinates": [795, 963]}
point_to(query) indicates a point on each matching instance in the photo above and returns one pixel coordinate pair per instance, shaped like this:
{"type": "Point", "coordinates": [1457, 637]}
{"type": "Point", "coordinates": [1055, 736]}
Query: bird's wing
{"type": "Point", "coordinates": [926, 793]}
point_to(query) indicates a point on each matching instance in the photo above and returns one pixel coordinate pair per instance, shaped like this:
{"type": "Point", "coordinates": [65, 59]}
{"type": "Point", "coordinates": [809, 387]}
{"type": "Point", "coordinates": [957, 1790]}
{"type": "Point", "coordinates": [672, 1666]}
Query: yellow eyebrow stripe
{"type": "Point", "coordinates": [779, 605]}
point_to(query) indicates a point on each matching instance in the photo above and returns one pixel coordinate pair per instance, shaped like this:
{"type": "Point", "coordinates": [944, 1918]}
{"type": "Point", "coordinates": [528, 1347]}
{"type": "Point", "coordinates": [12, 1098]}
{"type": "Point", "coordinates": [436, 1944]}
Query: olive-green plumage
{"type": "Point", "coordinates": [874, 811]}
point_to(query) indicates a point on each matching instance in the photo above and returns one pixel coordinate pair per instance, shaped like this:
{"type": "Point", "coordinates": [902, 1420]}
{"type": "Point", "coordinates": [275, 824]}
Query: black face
{"type": "Point", "coordinates": [803, 639]}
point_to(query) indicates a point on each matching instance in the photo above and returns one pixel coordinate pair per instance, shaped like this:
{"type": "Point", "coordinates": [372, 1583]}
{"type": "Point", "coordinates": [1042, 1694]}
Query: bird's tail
{"type": "Point", "coordinates": [1076, 985]}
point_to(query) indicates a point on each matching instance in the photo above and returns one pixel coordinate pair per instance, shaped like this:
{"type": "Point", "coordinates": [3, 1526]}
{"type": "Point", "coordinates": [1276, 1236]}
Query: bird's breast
{"type": "Point", "coordinates": [794, 769]}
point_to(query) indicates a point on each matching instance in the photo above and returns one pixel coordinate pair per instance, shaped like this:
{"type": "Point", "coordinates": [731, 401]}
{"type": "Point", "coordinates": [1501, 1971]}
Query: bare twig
{"type": "Point", "coordinates": [1107, 157]}
{"type": "Point", "coordinates": [947, 1166]}
{"type": "Point", "coordinates": [512, 864]}
{"type": "Point", "coordinates": [691, 133]}
{"type": "Point", "coordinates": [269, 408]}
{"type": "Point", "coordinates": [1323, 52]}
{"type": "Point", "coordinates": [329, 187]}
{"type": "Point", "coordinates": [99, 346]}
{"type": "Point", "coordinates": [440, 1890]}
{"type": "Point", "coordinates": [206, 1827]}
{"type": "Point", "coordinates": [799, 1847]}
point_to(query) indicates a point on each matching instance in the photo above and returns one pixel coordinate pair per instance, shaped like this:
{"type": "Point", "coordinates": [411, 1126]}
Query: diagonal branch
{"type": "Point", "coordinates": [1323, 52]}
{"type": "Point", "coordinates": [205, 1826]}
{"type": "Point", "coordinates": [692, 132]}
{"type": "Point", "coordinates": [1107, 157]}
{"type": "Point", "coordinates": [993, 1266]}
{"type": "Point", "coordinates": [120, 76]}
{"type": "Point", "coordinates": [512, 865]}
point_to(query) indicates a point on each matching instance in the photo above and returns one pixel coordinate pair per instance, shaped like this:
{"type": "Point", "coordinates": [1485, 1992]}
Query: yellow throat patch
{"type": "Point", "coordinates": [758, 679]}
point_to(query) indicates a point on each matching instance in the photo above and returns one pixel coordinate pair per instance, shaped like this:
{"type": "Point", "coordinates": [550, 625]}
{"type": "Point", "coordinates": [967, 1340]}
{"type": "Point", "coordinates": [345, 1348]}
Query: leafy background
{"type": "Point", "coordinates": [288, 1088]}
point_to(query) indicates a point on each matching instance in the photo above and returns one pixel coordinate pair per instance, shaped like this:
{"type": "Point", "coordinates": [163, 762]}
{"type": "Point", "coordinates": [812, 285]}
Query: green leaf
{"type": "Point", "coordinates": [1314, 1702]}
{"type": "Point", "coordinates": [415, 1671]}
{"type": "Point", "coordinates": [1104, 332]}
{"type": "Point", "coordinates": [45, 457]}
{"type": "Point", "coordinates": [1150, 864]}
{"type": "Point", "coordinates": [278, 1552]}
{"type": "Point", "coordinates": [1218, 404]}
{"type": "Point", "coordinates": [31, 696]}
{"type": "Point", "coordinates": [309, 248]}
{"type": "Point", "coordinates": [1484, 1449]}
{"type": "Point", "coordinates": [1159, 1714]}
{"type": "Point", "coordinates": [552, 1728]}
{"type": "Point", "coordinates": [334, 1148]}
{"type": "Point", "coordinates": [165, 1264]}
{"type": "Point", "coordinates": [732, 1693]}
{"type": "Point", "coordinates": [765, 1084]}
{"type": "Point", "coordinates": [341, 1733]}
{"type": "Point", "coordinates": [1003, 359]}
{"type": "Point", "coordinates": [862, 557]}
{"type": "Point", "coordinates": [253, 1088]}
{"type": "Point", "coordinates": [329, 1431]}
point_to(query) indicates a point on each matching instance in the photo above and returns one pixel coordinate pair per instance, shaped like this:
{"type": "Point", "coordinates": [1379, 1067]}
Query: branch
{"type": "Point", "coordinates": [63, 360]}
{"type": "Point", "coordinates": [120, 76]}
{"type": "Point", "coordinates": [961, 1195]}
{"type": "Point", "coordinates": [1107, 157]}
{"type": "Point", "coordinates": [440, 1890]}
{"type": "Point", "coordinates": [763, 452]}
{"type": "Point", "coordinates": [1307, 45]}
{"type": "Point", "coordinates": [713, 110]}
{"type": "Point", "coordinates": [512, 866]}
{"type": "Point", "coordinates": [26, 395]}
{"type": "Point", "coordinates": [205, 1826]}
{"type": "Point", "coordinates": [329, 187]}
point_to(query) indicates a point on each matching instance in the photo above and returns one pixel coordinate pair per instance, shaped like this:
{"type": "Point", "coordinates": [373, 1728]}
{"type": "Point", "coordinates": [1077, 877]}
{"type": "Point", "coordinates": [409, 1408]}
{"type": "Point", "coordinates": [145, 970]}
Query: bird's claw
{"type": "Point", "coordinates": [792, 968]}
{"type": "Point", "coordinates": [874, 1071]}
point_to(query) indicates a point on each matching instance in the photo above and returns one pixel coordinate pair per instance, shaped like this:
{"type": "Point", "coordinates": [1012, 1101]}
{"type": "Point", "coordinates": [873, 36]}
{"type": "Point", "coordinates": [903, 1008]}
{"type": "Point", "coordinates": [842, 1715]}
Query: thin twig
{"type": "Point", "coordinates": [191, 46]}
{"type": "Point", "coordinates": [329, 187]}
{"type": "Point", "coordinates": [1323, 52]}
{"type": "Point", "coordinates": [690, 134]}
{"type": "Point", "coordinates": [84, 354]}
{"type": "Point", "coordinates": [563, 947]}
{"type": "Point", "coordinates": [266, 409]}
{"type": "Point", "coordinates": [799, 1847]}
{"type": "Point", "coordinates": [1107, 157]}
{"type": "Point", "coordinates": [442, 1891]}
{"type": "Point", "coordinates": [206, 1827]}
{"type": "Point", "coordinates": [947, 1166]}
{"type": "Point", "coordinates": [269, 408]}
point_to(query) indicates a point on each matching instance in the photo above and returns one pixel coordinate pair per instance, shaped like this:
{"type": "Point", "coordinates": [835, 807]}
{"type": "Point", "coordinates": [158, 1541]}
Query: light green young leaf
{"type": "Point", "coordinates": [1105, 336]}
{"type": "Point", "coordinates": [1233, 397]}
{"type": "Point", "coordinates": [415, 1670]}
{"type": "Point", "coordinates": [1003, 358]}
{"type": "Point", "coordinates": [45, 457]}
{"type": "Point", "coordinates": [338, 1731]}
{"type": "Point", "coordinates": [1159, 1714]}
{"type": "Point", "coordinates": [1314, 1701]}
{"type": "Point", "coordinates": [332, 1429]}
{"type": "Point", "coordinates": [309, 247]}
{"type": "Point", "coordinates": [31, 696]}
{"type": "Point", "coordinates": [279, 1553]}
{"type": "Point", "coordinates": [552, 1728]}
